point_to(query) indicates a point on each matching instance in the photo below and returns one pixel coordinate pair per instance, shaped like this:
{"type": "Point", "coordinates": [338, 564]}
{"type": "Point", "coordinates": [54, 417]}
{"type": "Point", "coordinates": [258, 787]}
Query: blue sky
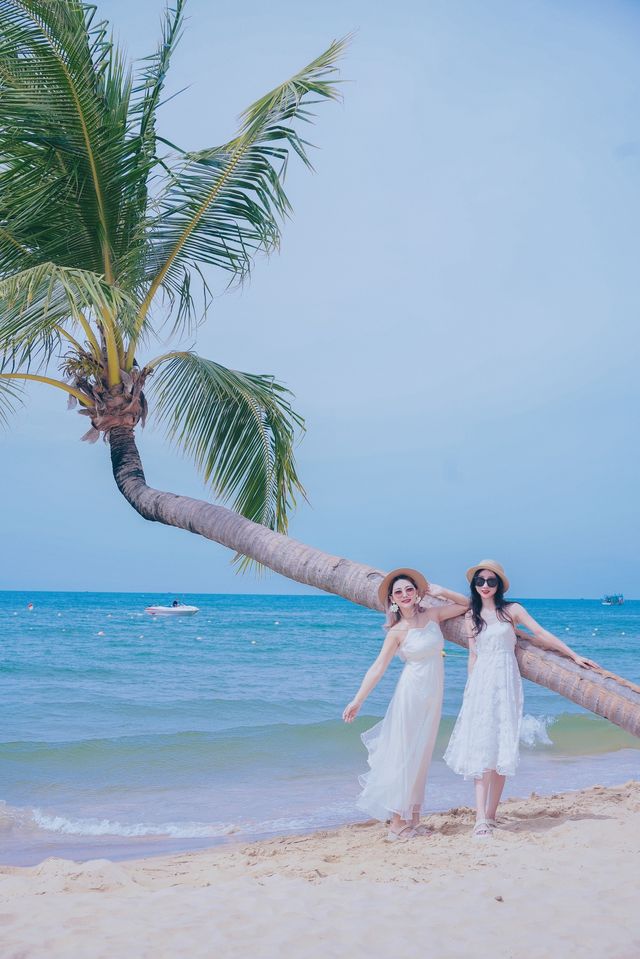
{"type": "Point", "coordinates": [455, 304]}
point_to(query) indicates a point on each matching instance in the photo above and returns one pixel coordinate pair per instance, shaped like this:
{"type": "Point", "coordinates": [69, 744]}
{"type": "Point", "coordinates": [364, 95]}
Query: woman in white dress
{"type": "Point", "coordinates": [484, 745]}
{"type": "Point", "coordinates": [401, 745]}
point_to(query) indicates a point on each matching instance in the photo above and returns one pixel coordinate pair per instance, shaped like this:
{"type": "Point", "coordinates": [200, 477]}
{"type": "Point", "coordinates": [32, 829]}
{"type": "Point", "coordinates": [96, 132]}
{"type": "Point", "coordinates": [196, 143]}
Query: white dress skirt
{"type": "Point", "coordinates": [487, 731]}
{"type": "Point", "coordinates": [401, 745]}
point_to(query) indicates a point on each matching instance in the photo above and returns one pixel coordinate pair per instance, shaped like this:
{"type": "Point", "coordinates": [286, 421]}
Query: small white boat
{"type": "Point", "coordinates": [180, 609]}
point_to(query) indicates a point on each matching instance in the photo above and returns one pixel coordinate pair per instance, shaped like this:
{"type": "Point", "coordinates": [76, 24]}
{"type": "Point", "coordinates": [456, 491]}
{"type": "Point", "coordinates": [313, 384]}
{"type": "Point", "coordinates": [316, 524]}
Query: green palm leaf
{"type": "Point", "coordinates": [154, 75]}
{"type": "Point", "coordinates": [37, 303]}
{"type": "Point", "coordinates": [146, 100]}
{"type": "Point", "coordinates": [52, 63]}
{"type": "Point", "coordinates": [222, 205]}
{"type": "Point", "coordinates": [239, 429]}
{"type": "Point", "coordinates": [10, 396]}
{"type": "Point", "coordinates": [70, 164]}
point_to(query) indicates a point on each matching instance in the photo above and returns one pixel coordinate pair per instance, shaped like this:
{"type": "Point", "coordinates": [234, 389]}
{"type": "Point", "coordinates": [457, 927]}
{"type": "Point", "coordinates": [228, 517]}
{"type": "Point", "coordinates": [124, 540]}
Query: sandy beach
{"type": "Point", "coordinates": [559, 878]}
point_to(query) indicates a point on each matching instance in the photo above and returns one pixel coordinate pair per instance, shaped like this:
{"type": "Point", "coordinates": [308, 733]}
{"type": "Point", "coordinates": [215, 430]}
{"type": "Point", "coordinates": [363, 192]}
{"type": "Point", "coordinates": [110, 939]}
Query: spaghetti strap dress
{"type": "Point", "coordinates": [487, 731]}
{"type": "Point", "coordinates": [401, 745]}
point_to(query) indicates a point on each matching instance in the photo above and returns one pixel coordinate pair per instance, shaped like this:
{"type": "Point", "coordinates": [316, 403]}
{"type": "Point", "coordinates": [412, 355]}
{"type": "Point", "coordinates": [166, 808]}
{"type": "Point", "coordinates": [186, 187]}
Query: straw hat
{"type": "Point", "coordinates": [413, 574]}
{"type": "Point", "coordinates": [494, 566]}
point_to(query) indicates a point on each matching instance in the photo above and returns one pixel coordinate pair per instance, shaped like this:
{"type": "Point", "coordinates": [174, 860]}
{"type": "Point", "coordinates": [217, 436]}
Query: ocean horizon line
{"type": "Point", "coordinates": [312, 594]}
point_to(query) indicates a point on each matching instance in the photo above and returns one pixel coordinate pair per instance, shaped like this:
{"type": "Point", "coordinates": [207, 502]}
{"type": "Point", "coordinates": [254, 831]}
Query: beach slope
{"type": "Point", "coordinates": [559, 878]}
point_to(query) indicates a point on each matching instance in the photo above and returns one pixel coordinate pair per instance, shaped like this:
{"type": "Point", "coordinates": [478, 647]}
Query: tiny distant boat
{"type": "Point", "coordinates": [616, 599]}
{"type": "Point", "coordinates": [178, 609]}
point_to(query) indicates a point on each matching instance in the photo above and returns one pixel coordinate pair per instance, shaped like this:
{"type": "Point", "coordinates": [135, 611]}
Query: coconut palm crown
{"type": "Point", "coordinates": [105, 227]}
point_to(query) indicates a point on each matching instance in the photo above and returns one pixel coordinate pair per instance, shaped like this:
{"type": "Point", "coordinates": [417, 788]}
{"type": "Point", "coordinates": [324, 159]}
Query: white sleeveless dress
{"type": "Point", "coordinates": [401, 745]}
{"type": "Point", "coordinates": [487, 731]}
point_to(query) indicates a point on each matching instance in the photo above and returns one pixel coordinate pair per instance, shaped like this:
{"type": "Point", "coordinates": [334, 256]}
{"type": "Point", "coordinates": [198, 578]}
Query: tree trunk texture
{"type": "Point", "coordinates": [602, 692]}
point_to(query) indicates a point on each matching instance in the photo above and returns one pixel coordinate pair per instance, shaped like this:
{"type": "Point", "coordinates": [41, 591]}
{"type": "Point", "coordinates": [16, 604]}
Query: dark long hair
{"type": "Point", "coordinates": [502, 604]}
{"type": "Point", "coordinates": [394, 618]}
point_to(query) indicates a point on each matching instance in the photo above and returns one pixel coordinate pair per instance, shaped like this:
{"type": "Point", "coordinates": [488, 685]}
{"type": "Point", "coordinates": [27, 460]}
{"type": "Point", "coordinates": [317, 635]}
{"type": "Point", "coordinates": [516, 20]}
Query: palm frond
{"type": "Point", "coordinates": [37, 303]}
{"type": "Point", "coordinates": [68, 158]}
{"type": "Point", "coordinates": [222, 205]}
{"type": "Point", "coordinates": [154, 75]}
{"type": "Point", "coordinates": [145, 102]}
{"type": "Point", "coordinates": [10, 396]}
{"type": "Point", "coordinates": [239, 429]}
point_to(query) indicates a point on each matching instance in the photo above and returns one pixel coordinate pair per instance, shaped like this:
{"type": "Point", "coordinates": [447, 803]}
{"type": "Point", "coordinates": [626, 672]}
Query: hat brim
{"type": "Point", "coordinates": [414, 574]}
{"type": "Point", "coordinates": [494, 567]}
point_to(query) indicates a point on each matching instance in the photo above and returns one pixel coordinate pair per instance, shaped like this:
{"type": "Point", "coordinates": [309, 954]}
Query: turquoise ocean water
{"type": "Point", "coordinates": [124, 735]}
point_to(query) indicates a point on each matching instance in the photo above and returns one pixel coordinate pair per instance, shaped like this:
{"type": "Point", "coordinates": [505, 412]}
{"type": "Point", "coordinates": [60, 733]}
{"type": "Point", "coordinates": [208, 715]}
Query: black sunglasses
{"type": "Point", "coordinates": [490, 581]}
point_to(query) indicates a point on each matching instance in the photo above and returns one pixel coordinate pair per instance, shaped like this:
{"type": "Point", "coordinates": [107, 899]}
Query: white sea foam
{"type": "Point", "coordinates": [332, 815]}
{"type": "Point", "coordinates": [107, 827]}
{"type": "Point", "coordinates": [191, 830]}
{"type": "Point", "coordinates": [534, 730]}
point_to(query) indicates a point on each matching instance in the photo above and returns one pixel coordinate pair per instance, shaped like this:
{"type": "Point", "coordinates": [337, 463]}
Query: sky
{"type": "Point", "coordinates": [454, 306]}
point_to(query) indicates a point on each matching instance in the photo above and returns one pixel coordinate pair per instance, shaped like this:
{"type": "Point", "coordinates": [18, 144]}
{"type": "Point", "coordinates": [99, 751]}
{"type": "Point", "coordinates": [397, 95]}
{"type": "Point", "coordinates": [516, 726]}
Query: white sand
{"type": "Point", "coordinates": [559, 879]}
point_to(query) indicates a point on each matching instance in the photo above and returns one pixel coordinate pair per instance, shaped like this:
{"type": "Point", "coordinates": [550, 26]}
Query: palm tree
{"type": "Point", "coordinates": [102, 237]}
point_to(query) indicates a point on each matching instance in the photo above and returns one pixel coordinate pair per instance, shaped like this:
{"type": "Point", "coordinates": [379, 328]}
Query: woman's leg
{"type": "Point", "coordinates": [397, 824]}
{"type": "Point", "coordinates": [482, 795]}
{"type": "Point", "coordinates": [496, 786]}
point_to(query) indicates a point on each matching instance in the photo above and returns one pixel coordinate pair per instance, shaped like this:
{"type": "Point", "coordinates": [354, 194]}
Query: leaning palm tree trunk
{"type": "Point", "coordinates": [601, 692]}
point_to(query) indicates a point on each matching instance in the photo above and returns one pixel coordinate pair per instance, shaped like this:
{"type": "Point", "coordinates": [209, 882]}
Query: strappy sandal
{"type": "Point", "coordinates": [482, 830]}
{"type": "Point", "coordinates": [493, 823]}
{"type": "Point", "coordinates": [421, 830]}
{"type": "Point", "coordinates": [407, 832]}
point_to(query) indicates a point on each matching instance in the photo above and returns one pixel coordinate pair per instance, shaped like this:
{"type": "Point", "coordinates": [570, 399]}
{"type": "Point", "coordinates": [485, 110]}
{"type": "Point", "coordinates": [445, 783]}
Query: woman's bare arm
{"type": "Point", "coordinates": [441, 592]}
{"type": "Point", "coordinates": [374, 674]}
{"type": "Point", "coordinates": [542, 637]}
{"type": "Point", "coordinates": [449, 612]}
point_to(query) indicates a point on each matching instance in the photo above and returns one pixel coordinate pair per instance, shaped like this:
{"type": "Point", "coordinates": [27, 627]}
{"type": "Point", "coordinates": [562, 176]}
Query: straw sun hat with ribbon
{"type": "Point", "coordinates": [493, 566]}
{"type": "Point", "coordinates": [418, 579]}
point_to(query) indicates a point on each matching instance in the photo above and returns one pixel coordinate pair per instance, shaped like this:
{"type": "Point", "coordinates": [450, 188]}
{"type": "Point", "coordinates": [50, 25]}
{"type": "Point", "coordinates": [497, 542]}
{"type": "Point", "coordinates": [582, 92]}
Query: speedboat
{"type": "Point", "coordinates": [180, 609]}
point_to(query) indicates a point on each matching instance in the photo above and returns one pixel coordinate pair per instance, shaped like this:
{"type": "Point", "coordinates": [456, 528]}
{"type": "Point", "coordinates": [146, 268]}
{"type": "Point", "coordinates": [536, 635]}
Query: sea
{"type": "Point", "coordinates": [126, 735]}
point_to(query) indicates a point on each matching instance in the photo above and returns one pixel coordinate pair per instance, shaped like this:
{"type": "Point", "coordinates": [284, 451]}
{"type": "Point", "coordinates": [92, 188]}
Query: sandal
{"type": "Point", "coordinates": [422, 830]}
{"type": "Point", "coordinates": [482, 830]}
{"type": "Point", "coordinates": [493, 823]}
{"type": "Point", "coordinates": [407, 832]}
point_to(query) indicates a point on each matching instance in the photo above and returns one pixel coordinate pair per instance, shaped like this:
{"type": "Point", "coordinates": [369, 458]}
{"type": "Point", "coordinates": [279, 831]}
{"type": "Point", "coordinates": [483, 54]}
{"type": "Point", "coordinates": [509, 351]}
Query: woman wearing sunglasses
{"type": "Point", "coordinates": [484, 745]}
{"type": "Point", "coordinates": [400, 747]}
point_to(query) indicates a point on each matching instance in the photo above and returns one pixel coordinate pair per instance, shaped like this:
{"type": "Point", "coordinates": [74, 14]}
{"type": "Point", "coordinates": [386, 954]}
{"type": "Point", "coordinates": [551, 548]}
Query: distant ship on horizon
{"type": "Point", "coordinates": [615, 599]}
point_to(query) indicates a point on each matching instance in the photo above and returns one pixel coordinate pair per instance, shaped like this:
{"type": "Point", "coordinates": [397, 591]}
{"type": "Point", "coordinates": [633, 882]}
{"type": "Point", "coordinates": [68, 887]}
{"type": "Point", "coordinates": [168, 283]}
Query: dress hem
{"type": "Point", "coordinates": [475, 774]}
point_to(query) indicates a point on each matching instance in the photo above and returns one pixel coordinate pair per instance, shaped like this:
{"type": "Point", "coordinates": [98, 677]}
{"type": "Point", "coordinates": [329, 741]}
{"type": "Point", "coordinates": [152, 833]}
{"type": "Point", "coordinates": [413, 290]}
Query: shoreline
{"type": "Point", "coordinates": [560, 869]}
{"type": "Point", "coordinates": [23, 844]}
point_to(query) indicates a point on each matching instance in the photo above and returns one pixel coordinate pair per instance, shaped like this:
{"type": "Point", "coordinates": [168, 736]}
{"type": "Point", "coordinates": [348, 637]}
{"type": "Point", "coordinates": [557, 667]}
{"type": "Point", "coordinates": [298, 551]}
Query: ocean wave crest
{"type": "Point", "coordinates": [21, 820]}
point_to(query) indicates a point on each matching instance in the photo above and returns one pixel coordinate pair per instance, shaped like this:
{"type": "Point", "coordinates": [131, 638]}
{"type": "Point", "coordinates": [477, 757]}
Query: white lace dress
{"type": "Point", "coordinates": [487, 731]}
{"type": "Point", "coordinates": [401, 745]}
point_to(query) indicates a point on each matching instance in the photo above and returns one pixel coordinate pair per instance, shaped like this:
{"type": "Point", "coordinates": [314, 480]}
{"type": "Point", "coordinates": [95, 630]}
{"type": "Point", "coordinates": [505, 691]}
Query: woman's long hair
{"type": "Point", "coordinates": [502, 604]}
{"type": "Point", "coordinates": [393, 618]}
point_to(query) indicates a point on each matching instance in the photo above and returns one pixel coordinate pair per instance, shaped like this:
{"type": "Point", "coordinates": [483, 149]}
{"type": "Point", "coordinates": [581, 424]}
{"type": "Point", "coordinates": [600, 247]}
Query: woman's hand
{"type": "Point", "coordinates": [587, 663]}
{"type": "Point", "coordinates": [437, 592]}
{"type": "Point", "coordinates": [351, 711]}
